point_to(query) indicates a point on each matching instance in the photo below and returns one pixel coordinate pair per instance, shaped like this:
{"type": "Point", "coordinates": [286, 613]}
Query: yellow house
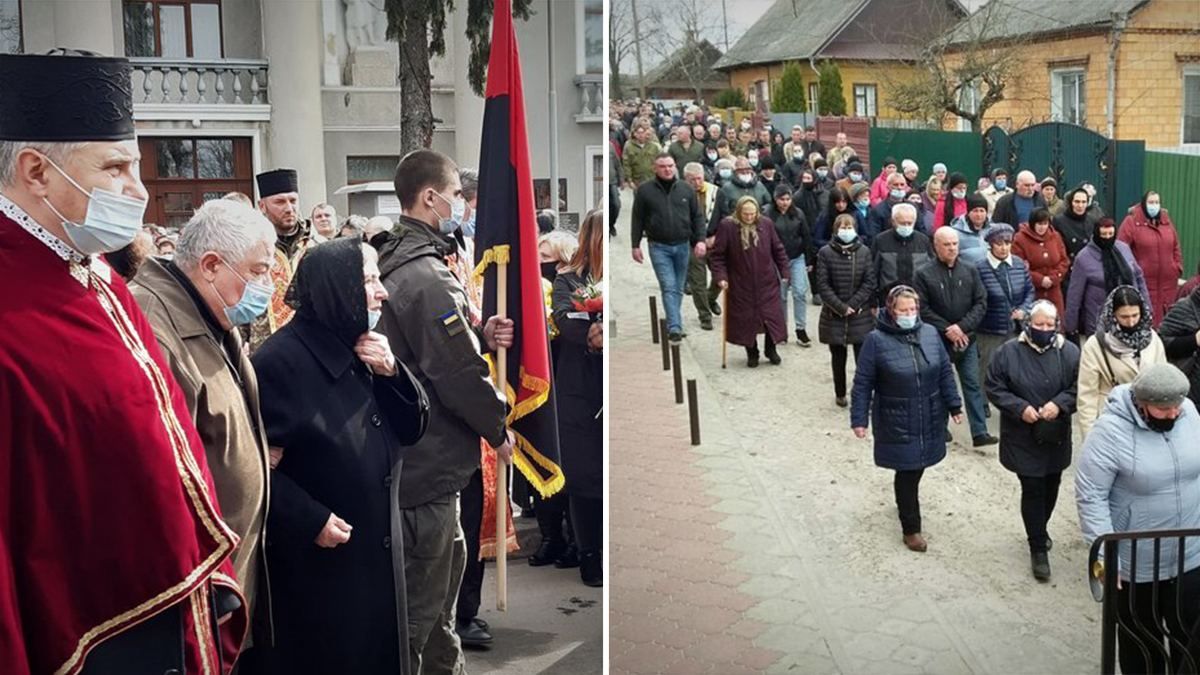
{"type": "Point", "coordinates": [872, 42]}
{"type": "Point", "coordinates": [1129, 69]}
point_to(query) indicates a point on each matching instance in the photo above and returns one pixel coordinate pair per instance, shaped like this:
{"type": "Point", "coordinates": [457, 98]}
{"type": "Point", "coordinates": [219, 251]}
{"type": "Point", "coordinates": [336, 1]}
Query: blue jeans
{"type": "Point", "coordinates": [670, 263]}
{"type": "Point", "coordinates": [967, 365]}
{"type": "Point", "coordinates": [799, 285]}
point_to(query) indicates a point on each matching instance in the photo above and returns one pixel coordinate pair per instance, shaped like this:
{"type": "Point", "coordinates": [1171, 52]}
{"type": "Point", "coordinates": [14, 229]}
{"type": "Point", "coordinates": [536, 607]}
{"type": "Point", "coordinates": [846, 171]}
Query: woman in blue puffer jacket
{"type": "Point", "coordinates": [1139, 470]}
{"type": "Point", "coordinates": [905, 380]}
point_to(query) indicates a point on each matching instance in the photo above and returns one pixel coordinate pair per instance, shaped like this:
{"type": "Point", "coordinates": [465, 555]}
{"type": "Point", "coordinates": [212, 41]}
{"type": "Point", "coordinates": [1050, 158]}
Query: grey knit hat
{"type": "Point", "coordinates": [857, 189]}
{"type": "Point", "coordinates": [997, 231]}
{"type": "Point", "coordinates": [1160, 384]}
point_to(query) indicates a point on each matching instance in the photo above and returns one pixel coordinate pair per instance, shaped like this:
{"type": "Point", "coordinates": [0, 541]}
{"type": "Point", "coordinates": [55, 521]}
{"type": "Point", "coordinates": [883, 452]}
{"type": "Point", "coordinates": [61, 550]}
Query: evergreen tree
{"type": "Point", "coordinates": [831, 101]}
{"type": "Point", "coordinates": [789, 91]}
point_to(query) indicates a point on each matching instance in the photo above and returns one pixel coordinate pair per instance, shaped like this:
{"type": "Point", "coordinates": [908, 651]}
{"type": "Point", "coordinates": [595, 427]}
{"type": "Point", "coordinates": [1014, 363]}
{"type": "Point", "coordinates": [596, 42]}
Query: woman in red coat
{"type": "Point", "coordinates": [1155, 244]}
{"type": "Point", "coordinates": [748, 258]}
{"type": "Point", "coordinates": [1042, 248]}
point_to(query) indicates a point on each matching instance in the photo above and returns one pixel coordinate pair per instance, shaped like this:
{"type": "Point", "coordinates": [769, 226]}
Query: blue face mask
{"type": "Point", "coordinates": [907, 322]}
{"type": "Point", "coordinates": [1152, 210]}
{"type": "Point", "coordinates": [822, 173]}
{"type": "Point", "coordinates": [855, 177]}
{"type": "Point", "coordinates": [897, 194]}
{"type": "Point", "coordinates": [468, 226]}
{"type": "Point", "coordinates": [847, 236]}
{"type": "Point", "coordinates": [864, 204]}
{"type": "Point", "coordinates": [904, 231]}
{"type": "Point", "coordinates": [1000, 184]}
{"type": "Point", "coordinates": [111, 222]}
{"type": "Point", "coordinates": [373, 316]}
{"type": "Point", "coordinates": [256, 298]}
{"type": "Point", "coordinates": [725, 173]}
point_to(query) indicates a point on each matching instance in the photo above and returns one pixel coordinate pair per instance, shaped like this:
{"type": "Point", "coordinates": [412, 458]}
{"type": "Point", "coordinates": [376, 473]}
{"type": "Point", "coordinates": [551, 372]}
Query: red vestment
{"type": "Point", "coordinates": [108, 514]}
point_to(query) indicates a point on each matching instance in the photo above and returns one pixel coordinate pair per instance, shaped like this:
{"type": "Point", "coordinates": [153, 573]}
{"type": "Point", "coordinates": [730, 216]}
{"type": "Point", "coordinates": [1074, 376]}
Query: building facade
{"type": "Point", "coordinates": [224, 89]}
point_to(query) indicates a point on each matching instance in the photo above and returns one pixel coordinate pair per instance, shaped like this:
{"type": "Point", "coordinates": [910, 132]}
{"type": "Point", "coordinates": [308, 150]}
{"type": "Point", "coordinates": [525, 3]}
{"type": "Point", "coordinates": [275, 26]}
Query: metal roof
{"type": "Point", "coordinates": [790, 30]}
{"type": "Point", "coordinates": [1000, 19]}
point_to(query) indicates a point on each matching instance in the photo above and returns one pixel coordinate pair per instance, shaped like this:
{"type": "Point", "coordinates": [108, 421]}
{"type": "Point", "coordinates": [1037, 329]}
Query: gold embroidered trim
{"type": "Point", "coordinates": [496, 254]}
{"type": "Point", "coordinates": [190, 477]}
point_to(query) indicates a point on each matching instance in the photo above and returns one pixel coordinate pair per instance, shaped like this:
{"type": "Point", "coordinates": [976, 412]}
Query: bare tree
{"type": "Point", "coordinates": [683, 27]}
{"type": "Point", "coordinates": [620, 42]}
{"type": "Point", "coordinates": [963, 72]}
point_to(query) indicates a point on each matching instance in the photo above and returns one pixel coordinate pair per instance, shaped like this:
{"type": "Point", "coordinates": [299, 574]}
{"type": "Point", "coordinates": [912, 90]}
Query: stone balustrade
{"type": "Point", "coordinates": [195, 81]}
{"type": "Point", "coordinates": [591, 97]}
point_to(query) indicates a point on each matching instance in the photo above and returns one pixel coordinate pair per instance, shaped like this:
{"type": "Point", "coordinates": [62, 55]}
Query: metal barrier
{"type": "Point", "coordinates": [1163, 627]}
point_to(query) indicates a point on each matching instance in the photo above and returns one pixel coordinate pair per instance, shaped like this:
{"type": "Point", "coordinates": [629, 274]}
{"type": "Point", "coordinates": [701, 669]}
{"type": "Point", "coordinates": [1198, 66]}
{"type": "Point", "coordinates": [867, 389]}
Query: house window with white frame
{"type": "Point", "coordinates": [1068, 95]}
{"type": "Point", "coordinates": [813, 93]}
{"type": "Point", "coordinates": [1191, 105]}
{"type": "Point", "coordinates": [864, 100]}
{"type": "Point", "coordinates": [179, 29]}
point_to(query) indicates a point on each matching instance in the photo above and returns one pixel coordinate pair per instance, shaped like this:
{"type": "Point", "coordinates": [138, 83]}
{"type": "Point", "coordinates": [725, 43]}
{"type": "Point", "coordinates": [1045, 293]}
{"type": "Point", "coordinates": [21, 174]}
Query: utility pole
{"type": "Point", "coordinates": [725, 21]}
{"type": "Point", "coordinates": [554, 201]}
{"type": "Point", "coordinates": [637, 50]}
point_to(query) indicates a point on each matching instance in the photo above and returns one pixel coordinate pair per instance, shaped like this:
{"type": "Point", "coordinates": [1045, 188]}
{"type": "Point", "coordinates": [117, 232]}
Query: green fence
{"type": "Point", "coordinates": [958, 150]}
{"type": "Point", "coordinates": [1176, 179]}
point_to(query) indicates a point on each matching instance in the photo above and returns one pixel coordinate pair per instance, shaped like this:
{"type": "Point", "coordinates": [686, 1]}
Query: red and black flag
{"type": "Point", "coordinates": [506, 232]}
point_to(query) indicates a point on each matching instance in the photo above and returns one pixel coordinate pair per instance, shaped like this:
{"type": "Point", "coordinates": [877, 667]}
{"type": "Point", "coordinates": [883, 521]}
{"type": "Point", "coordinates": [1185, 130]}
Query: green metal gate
{"type": "Point", "coordinates": [1072, 155]}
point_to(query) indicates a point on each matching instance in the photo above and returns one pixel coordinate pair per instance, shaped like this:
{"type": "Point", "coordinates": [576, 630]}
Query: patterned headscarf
{"type": "Point", "coordinates": [749, 231]}
{"type": "Point", "coordinates": [1118, 338]}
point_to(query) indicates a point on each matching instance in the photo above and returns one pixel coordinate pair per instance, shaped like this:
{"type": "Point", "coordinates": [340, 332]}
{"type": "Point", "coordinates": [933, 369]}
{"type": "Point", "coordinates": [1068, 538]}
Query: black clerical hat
{"type": "Point", "coordinates": [277, 181]}
{"type": "Point", "coordinates": [65, 96]}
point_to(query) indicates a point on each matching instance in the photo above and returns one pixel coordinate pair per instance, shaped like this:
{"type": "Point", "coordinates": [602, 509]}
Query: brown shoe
{"type": "Point", "coordinates": [915, 542]}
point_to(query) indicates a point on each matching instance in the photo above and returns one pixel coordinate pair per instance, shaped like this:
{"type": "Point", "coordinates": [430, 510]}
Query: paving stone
{"type": "Point", "coordinates": [872, 646]}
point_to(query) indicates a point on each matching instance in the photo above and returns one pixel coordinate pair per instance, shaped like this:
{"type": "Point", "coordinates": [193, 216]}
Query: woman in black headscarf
{"type": "Point", "coordinates": [1077, 222]}
{"type": "Point", "coordinates": [338, 407]}
{"type": "Point", "coordinates": [1102, 265]}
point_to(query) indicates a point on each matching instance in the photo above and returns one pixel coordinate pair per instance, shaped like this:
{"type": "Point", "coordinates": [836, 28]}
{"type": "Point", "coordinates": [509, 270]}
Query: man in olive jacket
{"type": "Point", "coordinates": [426, 320]}
{"type": "Point", "coordinates": [194, 303]}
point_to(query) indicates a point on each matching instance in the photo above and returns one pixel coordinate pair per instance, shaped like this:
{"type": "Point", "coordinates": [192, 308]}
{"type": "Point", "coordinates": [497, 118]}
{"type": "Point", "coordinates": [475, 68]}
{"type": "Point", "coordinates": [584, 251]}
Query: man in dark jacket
{"type": "Point", "coordinates": [879, 218]}
{"type": "Point", "coordinates": [666, 212]}
{"type": "Point", "coordinates": [900, 251]}
{"type": "Point", "coordinates": [426, 320]}
{"type": "Point", "coordinates": [744, 183]}
{"type": "Point", "coordinates": [953, 301]}
{"type": "Point", "coordinates": [1014, 208]}
{"type": "Point", "coordinates": [793, 229]}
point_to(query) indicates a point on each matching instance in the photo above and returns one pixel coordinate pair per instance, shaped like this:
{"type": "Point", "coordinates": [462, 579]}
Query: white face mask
{"type": "Point", "coordinates": [458, 208]}
{"type": "Point", "coordinates": [111, 222]}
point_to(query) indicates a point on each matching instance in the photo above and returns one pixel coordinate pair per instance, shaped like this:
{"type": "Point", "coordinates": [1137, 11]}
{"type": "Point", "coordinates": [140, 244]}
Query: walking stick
{"type": "Point", "coordinates": [724, 326]}
{"type": "Point", "coordinates": [501, 466]}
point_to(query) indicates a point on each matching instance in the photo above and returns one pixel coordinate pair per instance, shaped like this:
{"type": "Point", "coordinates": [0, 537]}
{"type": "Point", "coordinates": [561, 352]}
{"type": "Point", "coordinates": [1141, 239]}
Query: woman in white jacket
{"type": "Point", "coordinates": [1123, 345]}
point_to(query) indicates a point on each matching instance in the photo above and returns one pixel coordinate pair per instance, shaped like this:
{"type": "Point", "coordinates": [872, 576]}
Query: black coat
{"type": "Point", "coordinates": [667, 216]}
{"type": "Point", "coordinates": [1019, 376]}
{"type": "Point", "coordinates": [1006, 208]}
{"type": "Point", "coordinates": [812, 202]}
{"type": "Point", "coordinates": [951, 295]}
{"type": "Point", "coordinates": [1076, 231]}
{"type": "Point", "coordinates": [897, 259]}
{"type": "Point", "coordinates": [1178, 333]}
{"type": "Point", "coordinates": [579, 377]}
{"type": "Point", "coordinates": [341, 609]}
{"type": "Point", "coordinates": [794, 231]}
{"type": "Point", "coordinates": [845, 279]}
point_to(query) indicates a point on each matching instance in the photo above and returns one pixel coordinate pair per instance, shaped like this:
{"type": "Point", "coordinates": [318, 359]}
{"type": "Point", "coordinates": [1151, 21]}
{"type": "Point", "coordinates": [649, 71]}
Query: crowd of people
{"type": "Point", "coordinates": [1049, 311]}
{"type": "Point", "coordinates": [270, 436]}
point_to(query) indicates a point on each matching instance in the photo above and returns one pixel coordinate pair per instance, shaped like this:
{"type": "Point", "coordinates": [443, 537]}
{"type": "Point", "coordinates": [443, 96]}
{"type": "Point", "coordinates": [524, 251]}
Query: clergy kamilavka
{"type": "Point", "coordinates": [113, 554]}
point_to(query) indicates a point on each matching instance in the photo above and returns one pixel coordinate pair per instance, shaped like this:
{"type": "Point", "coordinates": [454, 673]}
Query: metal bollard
{"type": "Point", "coordinates": [678, 373]}
{"type": "Point", "coordinates": [662, 329]}
{"type": "Point", "coordinates": [694, 411]}
{"type": "Point", "coordinates": [654, 320]}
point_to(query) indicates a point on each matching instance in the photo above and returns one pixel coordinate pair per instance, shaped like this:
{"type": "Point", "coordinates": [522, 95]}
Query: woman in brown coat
{"type": "Point", "coordinates": [1043, 249]}
{"type": "Point", "coordinates": [748, 259]}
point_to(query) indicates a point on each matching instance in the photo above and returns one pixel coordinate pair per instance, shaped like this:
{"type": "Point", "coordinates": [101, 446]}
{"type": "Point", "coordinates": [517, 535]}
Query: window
{"type": "Point", "coordinates": [372, 168]}
{"type": "Point", "coordinates": [1191, 106]}
{"type": "Point", "coordinates": [179, 29]}
{"type": "Point", "coordinates": [1067, 97]}
{"type": "Point", "coordinates": [595, 155]}
{"type": "Point", "coordinates": [864, 100]}
{"type": "Point", "coordinates": [10, 26]}
{"type": "Point", "coordinates": [182, 173]}
{"type": "Point", "coordinates": [813, 93]}
{"type": "Point", "coordinates": [593, 36]}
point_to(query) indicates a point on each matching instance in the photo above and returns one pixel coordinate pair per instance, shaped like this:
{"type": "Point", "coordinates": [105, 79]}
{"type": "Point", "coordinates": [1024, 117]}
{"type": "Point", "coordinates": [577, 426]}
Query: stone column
{"type": "Point", "coordinates": [292, 38]}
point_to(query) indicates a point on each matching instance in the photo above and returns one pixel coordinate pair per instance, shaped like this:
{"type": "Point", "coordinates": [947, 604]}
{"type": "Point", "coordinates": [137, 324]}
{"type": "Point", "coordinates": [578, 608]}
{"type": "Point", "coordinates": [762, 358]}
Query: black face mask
{"type": "Point", "coordinates": [549, 271]}
{"type": "Point", "coordinates": [1162, 426]}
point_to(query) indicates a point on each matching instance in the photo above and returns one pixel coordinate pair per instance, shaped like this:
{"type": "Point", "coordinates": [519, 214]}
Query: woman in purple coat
{"type": "Point", "coordinates": [1102, 265]}
{"type": "Point", "coordinates": [748, 259]}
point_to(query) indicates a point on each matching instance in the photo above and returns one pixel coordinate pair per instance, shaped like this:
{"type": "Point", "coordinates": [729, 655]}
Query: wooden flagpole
{"type": "Point", "coordinates": [501, 466]}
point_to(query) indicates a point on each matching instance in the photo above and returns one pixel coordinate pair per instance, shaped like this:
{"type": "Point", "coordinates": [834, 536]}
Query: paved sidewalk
{"type": "Point", "coordinates": [774, 546]}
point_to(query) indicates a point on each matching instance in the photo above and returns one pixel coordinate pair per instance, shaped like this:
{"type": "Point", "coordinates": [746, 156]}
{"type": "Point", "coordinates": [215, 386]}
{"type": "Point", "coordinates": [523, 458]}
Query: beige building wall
{"type": "Point", "coordinates": [853, 72]}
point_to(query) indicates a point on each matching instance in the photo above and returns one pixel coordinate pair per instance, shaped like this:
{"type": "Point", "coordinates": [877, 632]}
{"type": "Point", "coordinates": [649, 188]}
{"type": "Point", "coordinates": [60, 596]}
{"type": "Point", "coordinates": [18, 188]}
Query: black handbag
{"type": "Point", "coordinates": [1051, 432]}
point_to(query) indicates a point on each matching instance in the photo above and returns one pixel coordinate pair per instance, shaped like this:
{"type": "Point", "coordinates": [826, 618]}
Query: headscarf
{"type": "Point", "coordinates": [1155, 219]}
{"type": "Point", "coordinates": [1118, 339]}
{"type": "Point", "coordinates": [748, 231]}
{"type": "Point", "coordinates": [328, 289]}
{"type": "Point", "coordinates": [1116, 268]}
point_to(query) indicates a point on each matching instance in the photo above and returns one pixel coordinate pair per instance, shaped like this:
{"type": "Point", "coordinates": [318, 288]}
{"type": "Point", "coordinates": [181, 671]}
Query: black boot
{"type": "Point", "coordinates": [591, 570]}
{"type": "Point", "coordinates": [569, 557]}
{"type": "Point", "coordinates": [752, 356]}
{"type": "Point", "coordinates": [547, 552]}
{"type": "Point", "coordinates": [1040, 561]}
{"type": "Point", "coordinates": [772, 354]}
{"type": "Point", "coordinates": [802, 338]}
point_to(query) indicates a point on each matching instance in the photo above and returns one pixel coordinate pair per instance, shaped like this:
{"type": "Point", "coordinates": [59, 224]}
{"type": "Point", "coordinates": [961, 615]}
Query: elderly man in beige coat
{"type": "Point", "coordinates": [220, 278]}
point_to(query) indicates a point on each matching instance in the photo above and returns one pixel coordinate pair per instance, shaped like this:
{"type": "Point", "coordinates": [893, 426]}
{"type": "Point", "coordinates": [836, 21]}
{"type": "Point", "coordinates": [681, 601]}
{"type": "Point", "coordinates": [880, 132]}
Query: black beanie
{"type": "Point", "coordinates": [976, 201]}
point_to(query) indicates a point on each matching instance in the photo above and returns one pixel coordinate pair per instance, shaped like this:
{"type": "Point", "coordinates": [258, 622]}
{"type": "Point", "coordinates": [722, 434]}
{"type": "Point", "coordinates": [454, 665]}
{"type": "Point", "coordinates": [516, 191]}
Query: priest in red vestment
{"type": "Point", "coordinates": [113, 554]}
